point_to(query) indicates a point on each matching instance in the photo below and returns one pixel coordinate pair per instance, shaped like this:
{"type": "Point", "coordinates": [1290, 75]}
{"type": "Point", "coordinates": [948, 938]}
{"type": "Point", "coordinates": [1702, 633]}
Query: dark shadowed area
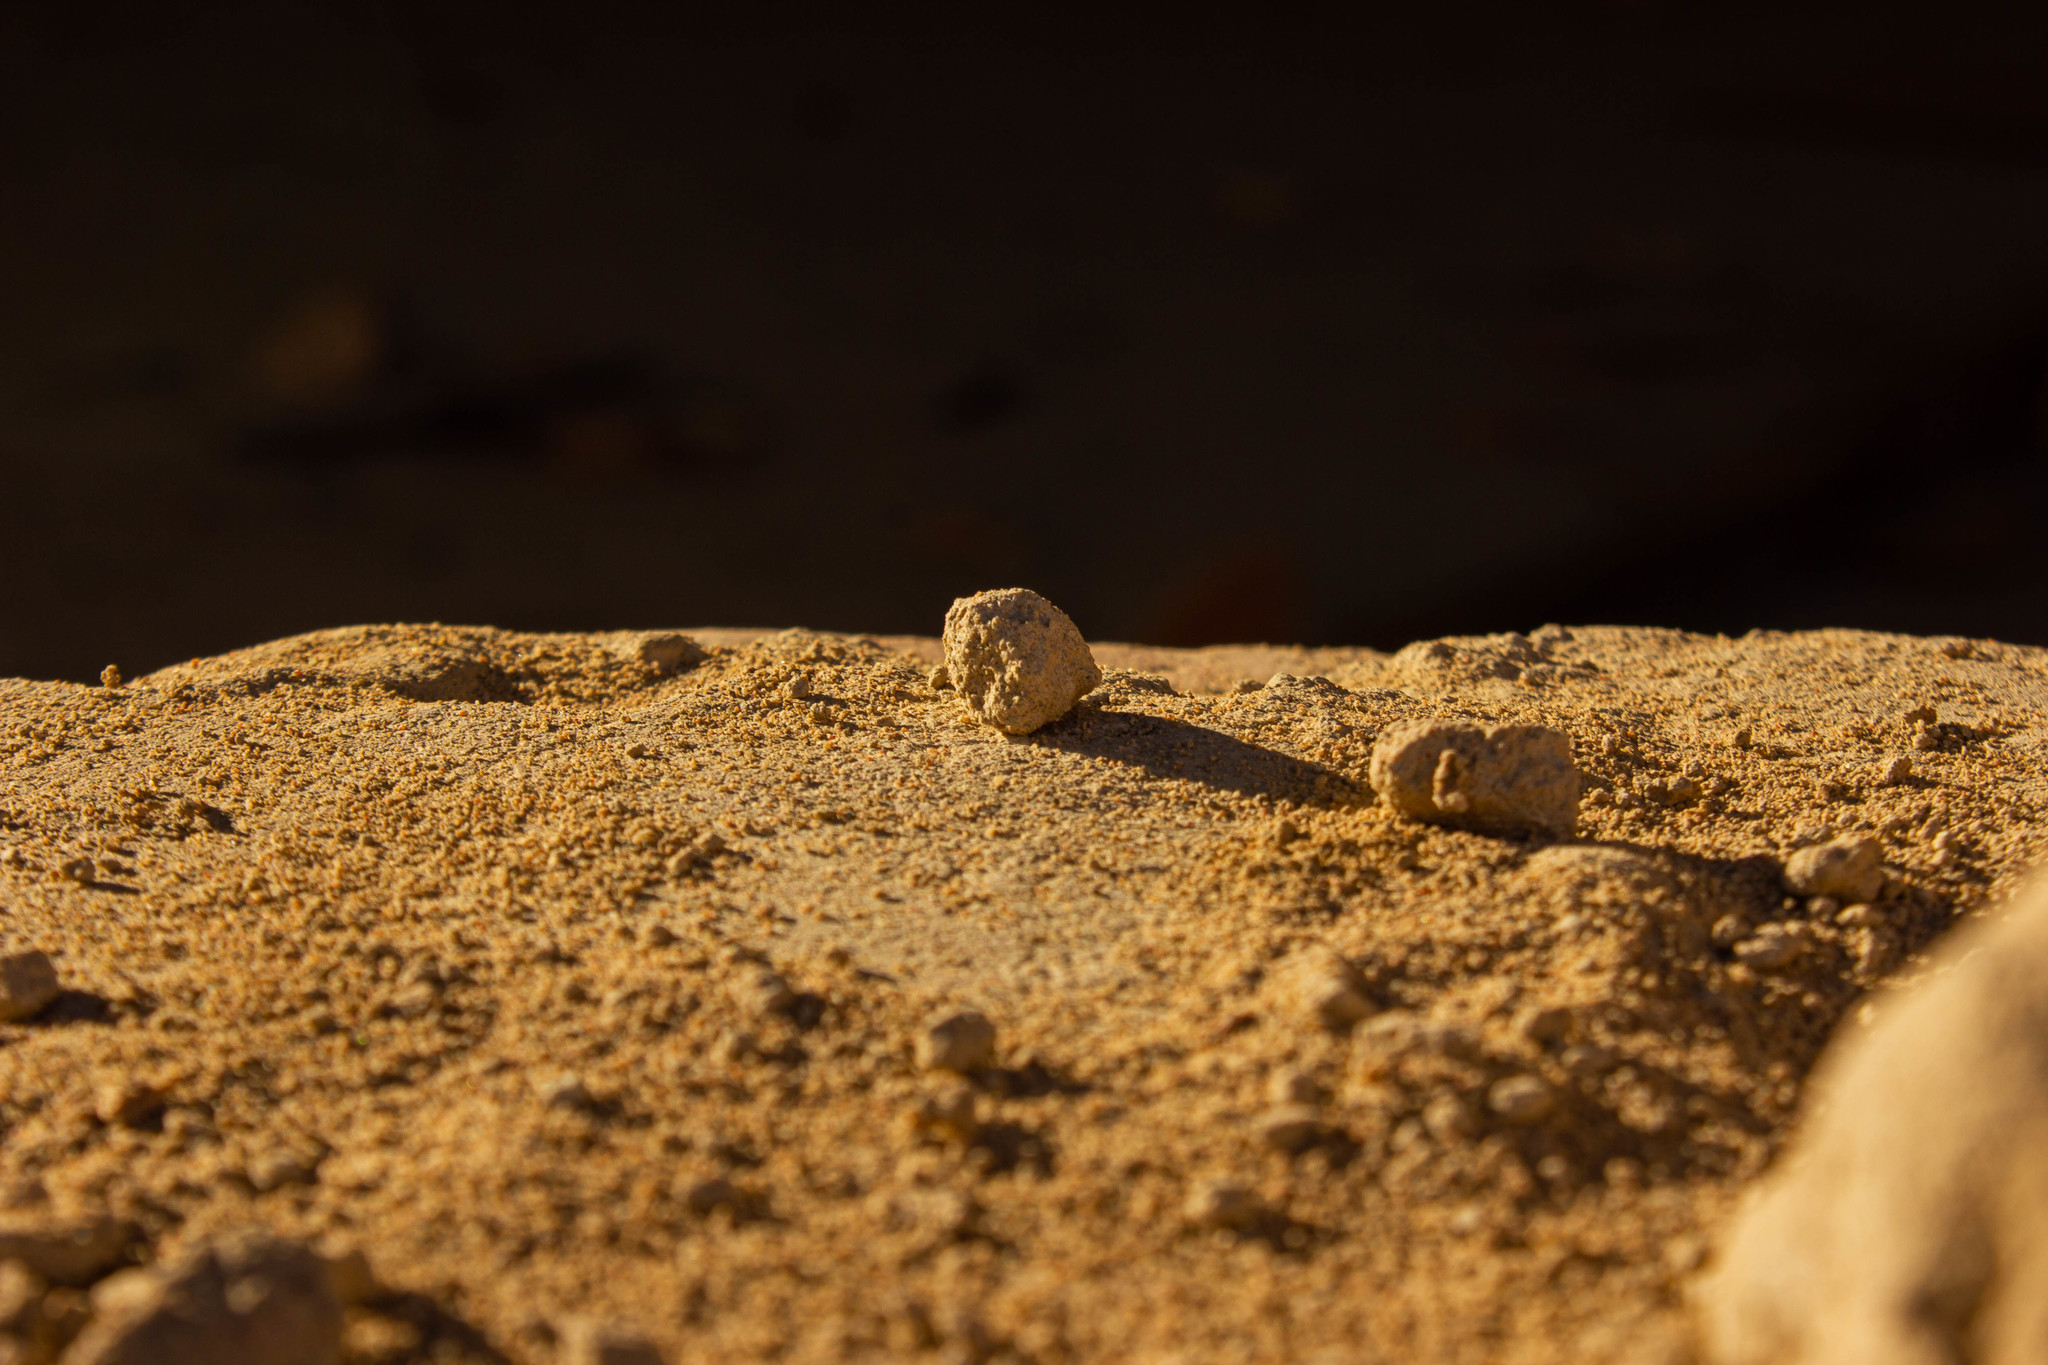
{"type": "Point", "coordinates": [1210, 325]}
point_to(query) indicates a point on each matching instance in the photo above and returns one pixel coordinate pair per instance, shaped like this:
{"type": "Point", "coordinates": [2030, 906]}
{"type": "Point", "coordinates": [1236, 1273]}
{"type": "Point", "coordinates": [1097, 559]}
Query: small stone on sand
{"type": "Point", "coordinates": [128, 1101]}
{"type": "Point", "coordinates": [1849, 869]}
{"type": "Point", "coordinates": [28, 983]}
{"type": "Point", "coordinates": [1496, 779]}
{"type": "Point", "coordinates": [1329, 990]}
{"type": "Point", "coordinates": [667, 650]}
{"type": "Point", "coordinates": [963, 1041]}
{"type": "Point", "coordinates": [1770, 949]}
{"type": "Point", "coordinates": [1016, 659]}
{"type": "Point", "coordinates": [1521, 1099]}
{"type": "Point", "coordinates": [565, 1092]}
{"type": "Point", "coordinates": [1222, 1204]}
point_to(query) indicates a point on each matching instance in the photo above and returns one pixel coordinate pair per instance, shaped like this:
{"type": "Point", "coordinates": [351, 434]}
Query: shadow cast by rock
{"type": "Point", "coordinates": [1162, 747]}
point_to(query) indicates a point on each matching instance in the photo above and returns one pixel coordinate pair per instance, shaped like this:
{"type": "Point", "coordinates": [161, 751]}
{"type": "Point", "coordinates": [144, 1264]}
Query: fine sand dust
{"type": "Point", "coordinates": [570, 982]}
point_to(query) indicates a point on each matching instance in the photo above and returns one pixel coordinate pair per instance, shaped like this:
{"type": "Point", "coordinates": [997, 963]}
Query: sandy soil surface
{"type": "Point", "coordinates": [568, 982]}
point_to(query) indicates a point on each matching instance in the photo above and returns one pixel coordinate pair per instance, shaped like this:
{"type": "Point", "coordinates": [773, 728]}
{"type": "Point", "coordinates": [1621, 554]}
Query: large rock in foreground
{"type": "Point", "coordinates": [1908, 1224]}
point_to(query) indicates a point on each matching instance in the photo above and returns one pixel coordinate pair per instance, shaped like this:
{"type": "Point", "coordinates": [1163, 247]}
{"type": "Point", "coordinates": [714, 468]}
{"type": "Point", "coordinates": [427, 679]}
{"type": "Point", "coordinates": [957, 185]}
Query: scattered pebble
{"type": "Point", "coordinates": [1292, 1128]}
{"type": "Point", "coordinates": [565, 1092]}
{"type": "Point", "coordinates": [1497, 779]}
{"type": "Point", "coordinates": [588, 1341]}
{"type": "Point", "coordinates": [1017, 660]}
{"type": "Point", "coordinates": [28, 983]}
{"type": "Point", "coordinates": [110, 676]}
{"type": "Point", "coordinates": [1587, 1059]}
{"type": "Point", "coordinates": [1293, 1087]}
{"type": "Point", "coordinates": [761, 990]}
{"type": "Point", "coordinates": [1328, 990]}
{"type": "Point", "coordinates": [668, 650]}
{"type": "Point", "coordinates": [129, 1102]}
{"type": "Point", "coordinates": [1223, 1204]}
{"type": "Point", "coordinates": [1772, 948]}
{"type": "Point", "coordinates": [962, 1041]}
{"type": "Point", "coordinates": [697, 852]}
{"type": "Point", "coordinates": [1521, 1099]}
{"type": "Point", "coordinates": [1897, 770]}
{"type": "Point", "coordinates": [1545, 1024]}
{"type": "Point", "coordinates": [1850, 868]}
{"type": "Point", "coordinates": [250, 1298]}
{"type": "Point", "coordinates": [1450, 1119]}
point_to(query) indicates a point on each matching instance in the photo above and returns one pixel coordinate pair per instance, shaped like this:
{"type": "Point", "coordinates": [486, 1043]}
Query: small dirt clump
{"type": "Point", "coordinates": [1848, 869]}
{"type": "Point", "coordinates": [1497, 779]}
{"type": "Point", "coordinates": [962, 1041]}
{"type": "Point", "coordinates": [28, 983]}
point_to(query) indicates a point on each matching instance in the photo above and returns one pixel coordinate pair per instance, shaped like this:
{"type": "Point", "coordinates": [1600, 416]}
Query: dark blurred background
{"type": "Point", "coordinates": [1210, 324]}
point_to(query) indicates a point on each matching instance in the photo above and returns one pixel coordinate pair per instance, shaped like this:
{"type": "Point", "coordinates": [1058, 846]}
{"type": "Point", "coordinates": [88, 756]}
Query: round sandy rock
{"type": "Point", "coordinates": [1848, 869]}
{"type": "Point", "coordinates": [28, 983]}
{"type": "Point", "coordinates": [1016, 659]}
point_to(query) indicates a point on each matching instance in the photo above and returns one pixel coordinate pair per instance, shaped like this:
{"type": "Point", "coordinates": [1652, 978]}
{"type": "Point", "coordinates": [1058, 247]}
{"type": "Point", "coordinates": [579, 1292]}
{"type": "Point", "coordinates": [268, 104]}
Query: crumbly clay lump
{"type": "Point", "coordinates": [728, 996]}
{"type": "Point", "coordinates": [1016, 659]}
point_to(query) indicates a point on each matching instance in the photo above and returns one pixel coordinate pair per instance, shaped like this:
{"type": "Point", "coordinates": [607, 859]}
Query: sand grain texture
{"type": "Point", "coordinates": [579, 980]}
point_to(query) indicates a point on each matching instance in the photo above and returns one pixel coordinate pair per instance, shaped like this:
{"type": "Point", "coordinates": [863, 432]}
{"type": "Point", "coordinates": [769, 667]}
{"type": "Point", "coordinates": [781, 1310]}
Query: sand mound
{"type": "Point", "coordinates": [578, 980]}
